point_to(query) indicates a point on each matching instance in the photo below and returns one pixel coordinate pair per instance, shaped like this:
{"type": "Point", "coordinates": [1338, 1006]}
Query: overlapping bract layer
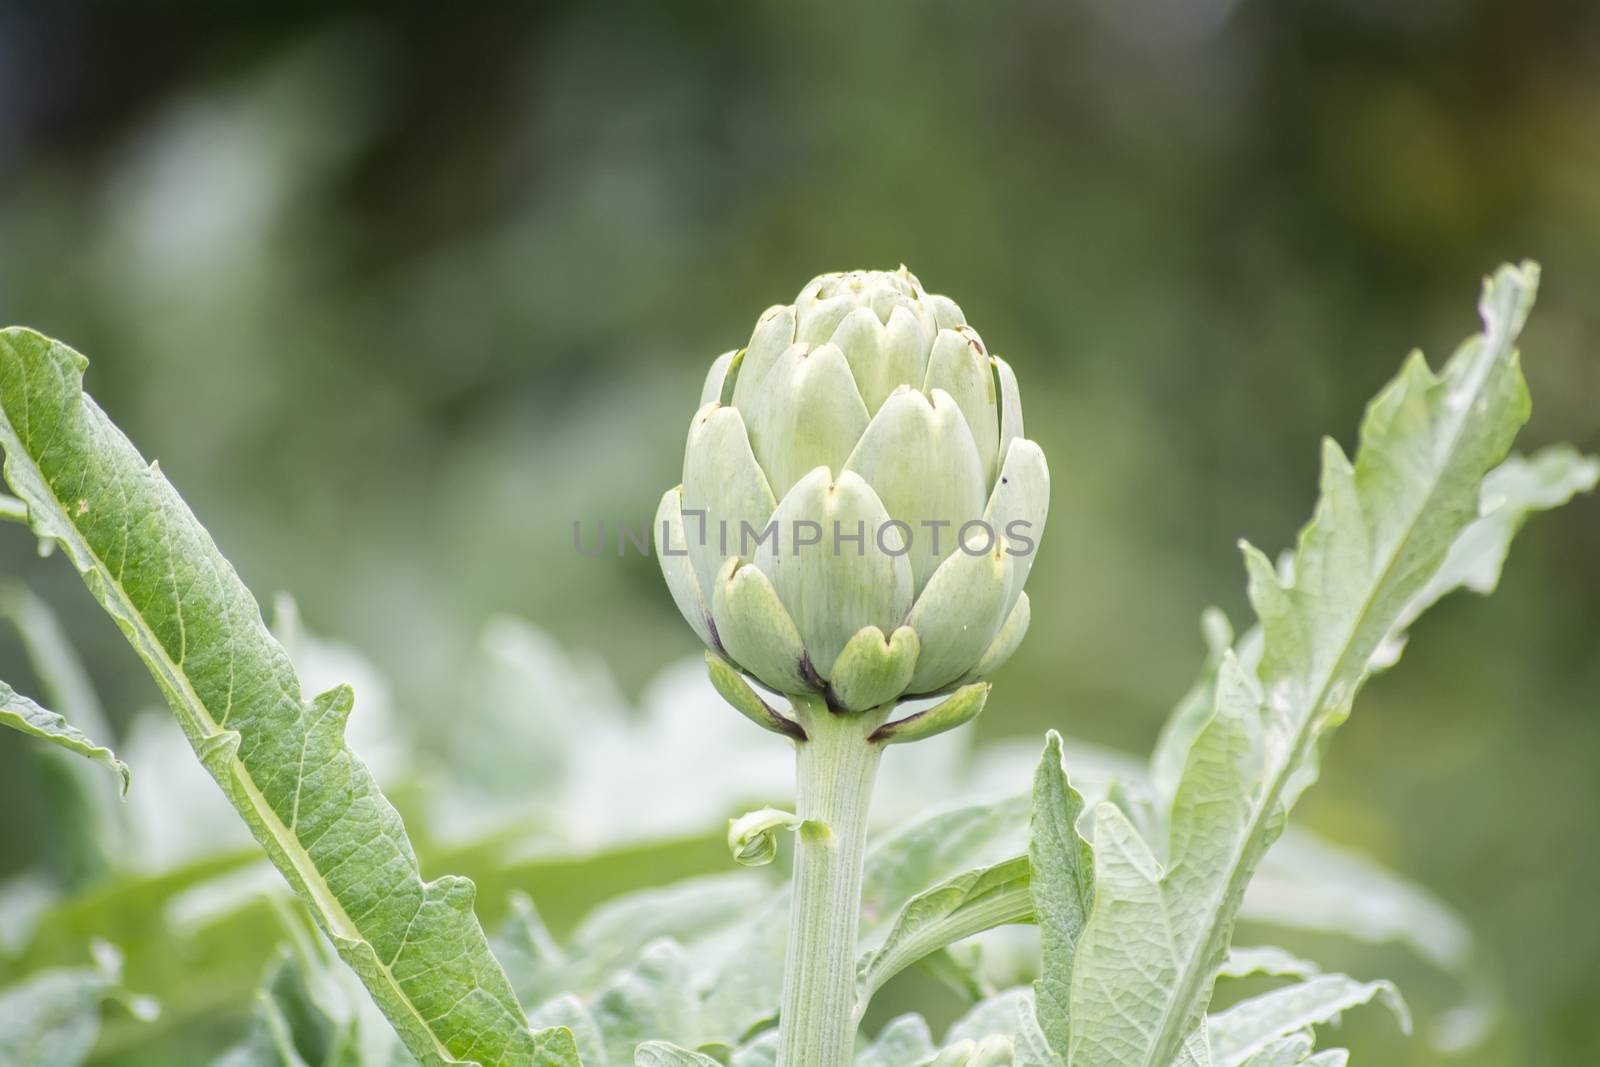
{"type": "Point", "coordinates": [859, 509]}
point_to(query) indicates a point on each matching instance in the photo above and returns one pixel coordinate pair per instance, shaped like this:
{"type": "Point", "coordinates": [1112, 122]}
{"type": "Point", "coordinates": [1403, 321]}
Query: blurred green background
{"type": "Point", "coordinates": [395, 298]}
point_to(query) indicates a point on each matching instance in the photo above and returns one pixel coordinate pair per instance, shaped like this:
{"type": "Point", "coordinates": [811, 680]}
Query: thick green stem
{"type": "Point", "coordinates": [835, 768]}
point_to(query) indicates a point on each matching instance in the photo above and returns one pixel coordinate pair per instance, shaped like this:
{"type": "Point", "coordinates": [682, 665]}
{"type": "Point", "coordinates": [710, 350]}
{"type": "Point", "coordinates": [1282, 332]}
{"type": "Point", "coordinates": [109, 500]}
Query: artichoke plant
{"type": "Point", "coordinates": [859, 509]}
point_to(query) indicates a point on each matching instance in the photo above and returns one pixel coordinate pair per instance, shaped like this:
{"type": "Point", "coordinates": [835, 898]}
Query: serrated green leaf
{"type": "Point", "coordinates": [653, 1000]}
{"type": "Point", "coordinates": [759, 1051]}
{"type": "Point", "coordinates": [1251, 1026]}
{"type": "Point", "coordinates": [306, 797]}
{"type": "Point", "coordinates": [569, 1012]}
{"type": "Point", "coordinates": [53, 1018]}
{"type": "Point", "coordinates": [22, 714]}
{"type": "Point", "coordinates": [1382, 530]}
{"type": "Point", "coordinates": [1061, 867]}
{"type": "Point", "coordinates": [969, 903]}
{"type": "Point", "coordinates": [1267, 960]}
{"type": "Point", "coordinates": [1012, 1014]}
{"type": "Point", "coordinates": [662, 1054]}
{"type": "Point", "coordinates": [1285, 1052]}
{"type": "Point", "coordinates": [904, 1041]}
{"type": "Point", "coordinates": [87, 821]}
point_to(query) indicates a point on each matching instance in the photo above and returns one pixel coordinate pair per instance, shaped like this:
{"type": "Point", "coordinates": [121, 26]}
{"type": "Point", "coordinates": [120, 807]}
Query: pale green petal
{"type": "Point", "coordinates": [816, 320]}
{"type": "Point", "coordinates": [960, 366]}
{"type": "Point", "coordinates": [834, 587]}
{"type": "Point", "coordinates": [1012, 631]}
{"type": "Point", "coordinates": [756, 631]}
{"type": "Point", "coordinates": [809, 415]}
{"type": "Point", "coordinates": [717, 376]}
{"type": "Point", "coordinates": [1018, 507]}
{"type": "Point", "coordinates": [945, 312]}
{"type": "Point", "coordinates": [722, 480]}
{"type": "Point", "coordinates": [1010, 405]}
{"type": "Point", "coordinates": [958, 614]}
{"type": "Point", "coordinates": [907, 338]}
{"type": "Point", "coordinates": [673, 554]}
{"type": "Point", "coordinates": [774, 333]}
{"type": "Point", "coordinates": [873, 669]}
{"type": "Point", "coordinates": [919, 457]}
{"type": "Point", "coordinates": [862, 339]}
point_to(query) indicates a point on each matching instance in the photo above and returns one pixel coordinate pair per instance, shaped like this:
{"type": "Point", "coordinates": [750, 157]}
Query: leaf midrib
{"type": "Point", "coordinates": [1192, 973]}
{"type": "Point", "coordinates": [328, 905]}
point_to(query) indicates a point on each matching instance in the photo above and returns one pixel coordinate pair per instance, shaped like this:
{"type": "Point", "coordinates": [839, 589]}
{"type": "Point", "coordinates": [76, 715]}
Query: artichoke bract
{"type": "Point", "coordinates": [859, 509]}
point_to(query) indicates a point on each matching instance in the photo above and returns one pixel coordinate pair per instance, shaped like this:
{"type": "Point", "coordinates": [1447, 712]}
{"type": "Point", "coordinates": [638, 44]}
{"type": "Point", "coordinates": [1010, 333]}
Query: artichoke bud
{"type": "Point", "coordinates": [859, 509]}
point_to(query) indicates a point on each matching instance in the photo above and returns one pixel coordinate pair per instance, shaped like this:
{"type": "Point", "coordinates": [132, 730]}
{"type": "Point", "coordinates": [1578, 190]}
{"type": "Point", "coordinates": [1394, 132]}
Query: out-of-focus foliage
{"type": "Point", "coordinates": [453, 262]}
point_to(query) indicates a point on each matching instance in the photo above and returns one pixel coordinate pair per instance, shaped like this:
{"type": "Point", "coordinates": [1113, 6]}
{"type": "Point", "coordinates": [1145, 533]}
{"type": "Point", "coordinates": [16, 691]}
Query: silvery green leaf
{"type": "Point", "coordinates": [834, 587]}
{"type": "Point", "coordinates": [652, 1000]}
{"type": "Point", "coordinates": [281, 760]}
{"type": "Point", "coordinates": [759, 1051]}
{"type": "Point", "coordinates": [311, 1010]}
{"type": "Point", "coordinates": [1192, 712]}
{"type": "Point", "coordinates": [533, 961]}
{"type": "Point", "coordinates": [569, 1011]}
{"type": "Point", "coordinates": [1267, 960]}
{"type": "Point", "coordinates": [24, 898]}
{"type": "Point", "coordinates": [935, 847]}
{"type": "Point", "coordinates": [967, 904]}
{"type": "Point", "coordinates": [919, 457]}
{"type": "Point", "coordinates": [52, 1018]}
{"type": "Point", "coordinates": [1333, 1057]}
{"type": "Point", "coordinates": [1382, 529]}
{"type": "Point", "coordinates": [86, 827]}
{"type": "Point", "coordinates": [1061, 868]}
{"type": "Point", "coordinates": [903, 1042]}
{"type": "Point", "coordinates": [1251, 1026]}
{"type": "Point", "coordinates": [1511, 492]}
{"type": "Point", "coordinates": [1196, 1048]}
{"type": "Point", "coordinates": [1285, 1052]}
{"type": "Point", "coordinates": [22, 714]}
{"type": "Point", "coordinates": [1010, 1014]}
{"type": "Point", "coordinates": [688, 912]}
{"type": "Point", "coordinates": [663, 1054]}
{"type": "Point", "coordinates": [1310, 884]}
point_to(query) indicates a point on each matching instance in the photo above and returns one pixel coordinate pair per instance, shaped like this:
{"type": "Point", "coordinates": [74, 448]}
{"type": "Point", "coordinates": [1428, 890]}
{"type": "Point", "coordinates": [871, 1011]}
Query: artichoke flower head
{"type": "Point", "coordinates": [859, 509]}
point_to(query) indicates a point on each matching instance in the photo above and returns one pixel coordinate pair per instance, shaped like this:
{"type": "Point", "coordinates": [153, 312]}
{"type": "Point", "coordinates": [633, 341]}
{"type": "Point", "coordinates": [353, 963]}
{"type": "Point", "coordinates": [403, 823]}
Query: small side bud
{"type": "Point", "coordinates": [753, 837]}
